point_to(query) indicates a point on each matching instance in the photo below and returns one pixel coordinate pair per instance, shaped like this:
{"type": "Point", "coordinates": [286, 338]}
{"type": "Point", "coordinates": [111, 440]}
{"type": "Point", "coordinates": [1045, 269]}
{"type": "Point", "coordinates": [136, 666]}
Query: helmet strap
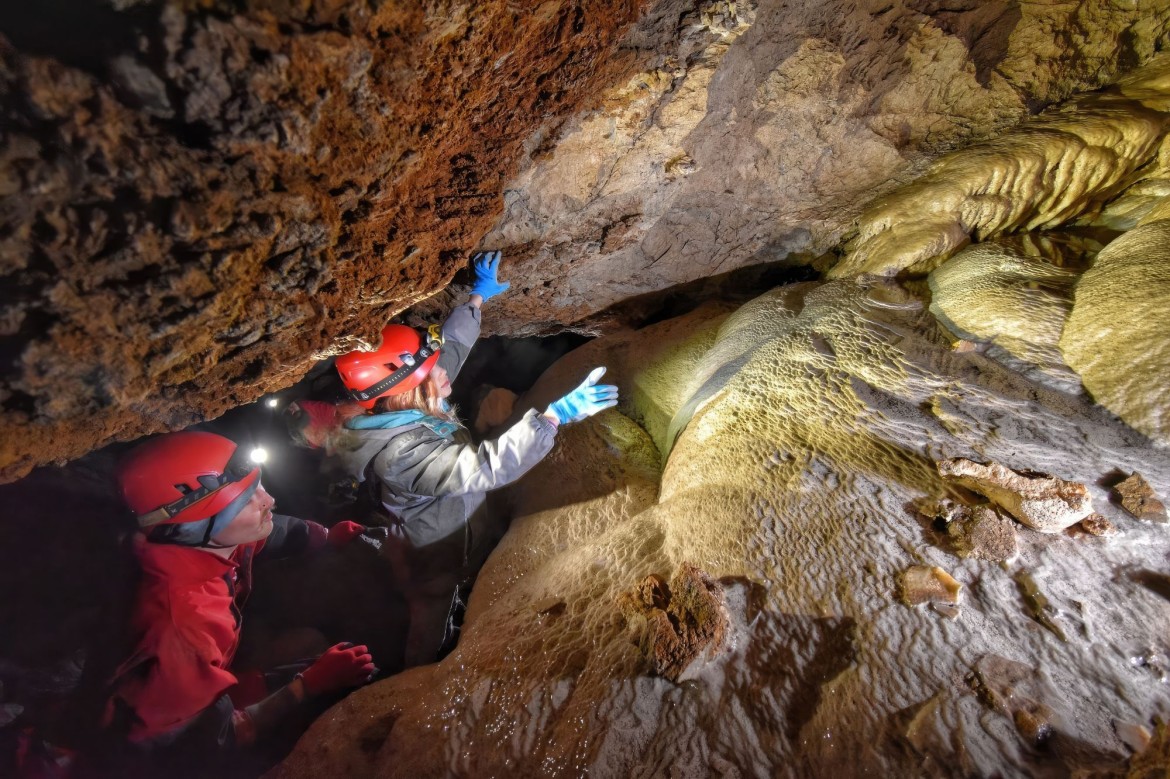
{"type": "Point", "coordinates": [198, 533]}
{"type": "Point", "coordinates": [418, 358]}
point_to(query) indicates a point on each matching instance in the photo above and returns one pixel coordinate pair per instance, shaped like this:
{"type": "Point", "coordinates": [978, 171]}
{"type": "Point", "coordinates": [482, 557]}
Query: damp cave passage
{"type": "Point", "coordinates": [70, 573]}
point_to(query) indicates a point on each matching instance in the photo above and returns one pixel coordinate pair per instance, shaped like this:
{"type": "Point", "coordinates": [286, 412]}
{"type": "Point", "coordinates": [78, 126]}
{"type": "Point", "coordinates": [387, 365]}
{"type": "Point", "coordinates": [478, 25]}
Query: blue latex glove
{"type": "Point", "coordinates": [586, 400]}
{"type": "Point", "coordinates": [485, 265]}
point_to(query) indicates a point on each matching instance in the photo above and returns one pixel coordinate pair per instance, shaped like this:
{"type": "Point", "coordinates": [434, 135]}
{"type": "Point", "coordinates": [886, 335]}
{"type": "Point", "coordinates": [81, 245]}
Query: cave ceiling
{"type": "Point", "coordinates": [199, 200]}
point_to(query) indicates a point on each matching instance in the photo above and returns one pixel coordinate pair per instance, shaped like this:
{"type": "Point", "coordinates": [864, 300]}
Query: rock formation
{"type": "Point", "coordinates": [195, 218]}
{"type": "Point", "coordinates": [208, 197]}
{"type": "Point", "coordinates": [1042, 174]}
{"type": "Point", "coordinates": [807, 423]}
{"type": "Point", "coordinates": [999, 294]}
{"type": "Point", "coordinates": [1115, 337]}
{"type": "Point", "coordinates": [199, 200]}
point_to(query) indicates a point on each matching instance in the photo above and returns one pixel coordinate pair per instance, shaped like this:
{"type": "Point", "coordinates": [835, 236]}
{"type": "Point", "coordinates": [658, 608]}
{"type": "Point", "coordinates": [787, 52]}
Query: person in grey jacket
{"type": "Point", "coordinates": [430, 478]}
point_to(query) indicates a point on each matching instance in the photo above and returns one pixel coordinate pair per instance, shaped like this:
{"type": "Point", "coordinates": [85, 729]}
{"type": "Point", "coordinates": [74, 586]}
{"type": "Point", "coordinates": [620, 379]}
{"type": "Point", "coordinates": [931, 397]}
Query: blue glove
{"type": "Point", "coordinates": [485, 265]}
{"type": "Point", "coordinates": [586, 400]}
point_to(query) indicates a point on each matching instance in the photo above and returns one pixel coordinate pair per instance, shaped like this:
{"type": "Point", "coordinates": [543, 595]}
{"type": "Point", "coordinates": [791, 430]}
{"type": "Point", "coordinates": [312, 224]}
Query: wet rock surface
{"type": "Point", "coordinates": [822, 411]}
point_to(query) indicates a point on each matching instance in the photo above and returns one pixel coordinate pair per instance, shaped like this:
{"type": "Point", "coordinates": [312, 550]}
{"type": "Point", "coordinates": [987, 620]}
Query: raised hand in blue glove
{"type": "Point", "coordinates": [485, 265]}
{"type": "Point", "coordinates": [586, 400]}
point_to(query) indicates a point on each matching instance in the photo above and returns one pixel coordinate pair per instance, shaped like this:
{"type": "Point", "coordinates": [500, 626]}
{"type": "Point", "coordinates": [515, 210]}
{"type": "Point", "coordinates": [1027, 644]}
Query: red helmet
{"type": "Point", "coordinates": [399, 365]}
{"type": "Point", "coordinates": [184, 477]}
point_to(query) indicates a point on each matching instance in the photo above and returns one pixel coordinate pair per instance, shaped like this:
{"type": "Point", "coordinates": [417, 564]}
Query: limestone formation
{"type": "Point", "coordinates": [1042, 502]}
{"type": "Point", "coordinates": [995, 293]}
{"type": "Point", "coordinates": [1044, 173]}
{"type": "Point", "coordinates": [1139, 499]}
{"type": "Point", "coordinates": [205, 198]}
{"type": "Point", "coordinates": [802, 427]}
{"type": "Point", "coordinates": [1115, 337]}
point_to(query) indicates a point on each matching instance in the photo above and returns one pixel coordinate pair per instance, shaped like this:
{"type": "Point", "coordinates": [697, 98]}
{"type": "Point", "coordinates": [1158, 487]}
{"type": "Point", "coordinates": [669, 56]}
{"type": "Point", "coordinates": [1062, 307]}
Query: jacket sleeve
{"type": "Point", "coordinates": [460, 332]}
{"type": "Point", "coordinates": [422, 462]}
{"type": "Point", "coordinates": [291, 536]}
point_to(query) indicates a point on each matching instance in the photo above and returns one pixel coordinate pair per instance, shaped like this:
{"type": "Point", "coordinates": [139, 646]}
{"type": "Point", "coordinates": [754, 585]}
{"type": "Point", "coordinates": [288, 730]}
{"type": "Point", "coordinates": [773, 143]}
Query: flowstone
{"type": "Point", "coordinates": [801, 435]}
{"type": "Point", "coordinates": [994, 293]}
{"type": "Point", "coordinates": [1042, 174]}
{"type": "Point", "coordinates": [1115, 337]}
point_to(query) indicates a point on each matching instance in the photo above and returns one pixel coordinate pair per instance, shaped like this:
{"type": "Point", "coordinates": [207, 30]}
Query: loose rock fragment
{"type": "Point", "coordinates": [982, 533]}
{"type": "Point", "coordinates": [1136, 737]}
{"type": "Point", "coordinates": [1153, 762]}
{"type": "Point", "coordinates": [1038, 604]}
{"type": "Point", "coordinates": [1097, 525]}
{"type": "Point", "coordinates": [1040, 501]}
{"type": "Point", "coordinates": [1138, 498]}
{"type": "Point", "coordinates": [679, 622]}
{"type": "Point", "coordinates": [1017, 691]}
{"type": "Point", "coordinates": [927, 584]}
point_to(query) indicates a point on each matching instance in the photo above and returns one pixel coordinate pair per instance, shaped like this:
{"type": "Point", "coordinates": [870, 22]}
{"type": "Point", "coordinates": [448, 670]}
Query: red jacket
{"type": "Point", "coordinates": [187, 620]}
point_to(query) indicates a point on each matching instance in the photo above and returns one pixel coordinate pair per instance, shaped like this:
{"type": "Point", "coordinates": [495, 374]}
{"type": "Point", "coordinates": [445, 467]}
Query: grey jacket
{"type": "Point", "coordinates": [432, 477]}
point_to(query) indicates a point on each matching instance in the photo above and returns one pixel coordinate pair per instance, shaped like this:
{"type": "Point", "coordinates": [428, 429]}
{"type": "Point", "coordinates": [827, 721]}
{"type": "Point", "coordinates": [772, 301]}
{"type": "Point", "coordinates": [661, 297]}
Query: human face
{"type": "Point", "coordinates": [442, 381]}
{"type": "Point", "coordinates": [253, 523]}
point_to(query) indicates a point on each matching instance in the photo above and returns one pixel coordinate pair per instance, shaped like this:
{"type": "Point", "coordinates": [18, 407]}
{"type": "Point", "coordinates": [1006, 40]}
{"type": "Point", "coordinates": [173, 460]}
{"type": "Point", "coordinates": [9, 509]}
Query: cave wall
{"type": "Point", "coordinates": [199, 200]}
{"type": "Point", "coordinates": [765, 128]}
{"type": "Point", "coordinates": [193, 214]}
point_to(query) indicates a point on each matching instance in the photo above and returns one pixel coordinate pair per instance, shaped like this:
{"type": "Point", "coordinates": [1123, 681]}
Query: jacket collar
{"type": "Point", "coordinates": [183, 564]}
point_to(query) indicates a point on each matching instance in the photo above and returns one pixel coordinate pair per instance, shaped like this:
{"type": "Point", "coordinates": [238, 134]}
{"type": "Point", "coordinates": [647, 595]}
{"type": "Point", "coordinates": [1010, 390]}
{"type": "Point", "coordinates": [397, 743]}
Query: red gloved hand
{"type": "Point", "coordinates": [344, 532]}
{"type": "Point", "coordinates": [342, 666]}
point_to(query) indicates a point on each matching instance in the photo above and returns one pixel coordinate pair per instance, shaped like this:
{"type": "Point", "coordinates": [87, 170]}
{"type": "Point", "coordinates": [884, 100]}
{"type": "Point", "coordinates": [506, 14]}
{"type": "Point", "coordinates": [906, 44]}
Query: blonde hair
{"type": "Point", "coordinates": [425, 398]}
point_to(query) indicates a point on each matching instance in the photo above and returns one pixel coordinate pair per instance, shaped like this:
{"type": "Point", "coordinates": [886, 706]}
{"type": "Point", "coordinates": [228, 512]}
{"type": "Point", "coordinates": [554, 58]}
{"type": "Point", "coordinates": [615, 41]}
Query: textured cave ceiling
{"type": "Point", "coordinates": [198, 200]}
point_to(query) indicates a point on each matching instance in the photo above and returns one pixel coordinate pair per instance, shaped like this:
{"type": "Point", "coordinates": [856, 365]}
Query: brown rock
{"type": "Point", "coordinates": [1138, 498]}
{"type": "Point", "coordinates": [1097, 525]}
{"type": "Point", "coordinates": [495, 409]}
{"type": "Point", "coordinates": [1019, 692]}
{"type": "Point", "coordinates": [328, 163]}
{"type": "Point", "coordinates": [983, 533]}
{"type": "Point", "coordinates": [1042, 502]}
{"type": "Point", "coordinates": [679, 622]}
{"type": "Point", "coordinates": [927, 584]}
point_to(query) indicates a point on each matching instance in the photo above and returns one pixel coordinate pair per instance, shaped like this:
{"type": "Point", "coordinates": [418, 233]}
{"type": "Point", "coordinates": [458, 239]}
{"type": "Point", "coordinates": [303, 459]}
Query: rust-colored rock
{"type": "Point", "coordinates": [1138, 498]}
{"type": "Point", "coordinates": [1097, 525]}
{"type": "Point", "coordinates": [250, 186]}
{"type": "Point", "coordinates": [1042, 502]}
{"type": "Point", "coordinates": [983, 533]}
{"type": "Point", "coordinates": [194, 211]}
{"type": "Point", "coordinates": [678, 622]}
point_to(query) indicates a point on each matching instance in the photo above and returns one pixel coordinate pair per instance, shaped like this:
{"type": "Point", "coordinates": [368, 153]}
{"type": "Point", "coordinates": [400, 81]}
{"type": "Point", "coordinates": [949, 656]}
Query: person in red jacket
{"type": "Point", "coordinates": [204, 517]}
